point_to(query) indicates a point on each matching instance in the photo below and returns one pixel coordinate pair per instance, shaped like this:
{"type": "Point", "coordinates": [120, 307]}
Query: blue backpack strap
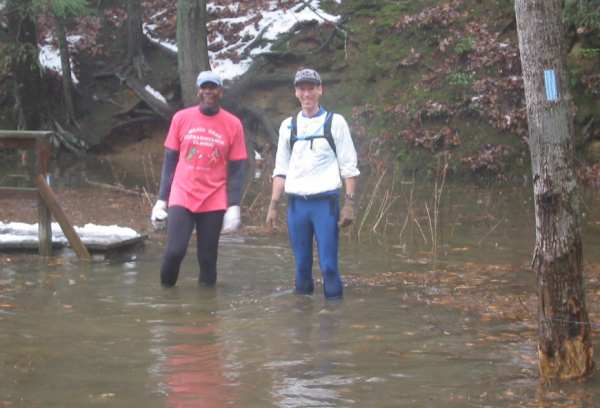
{"type": "Point", "coordinates": [326, 132]}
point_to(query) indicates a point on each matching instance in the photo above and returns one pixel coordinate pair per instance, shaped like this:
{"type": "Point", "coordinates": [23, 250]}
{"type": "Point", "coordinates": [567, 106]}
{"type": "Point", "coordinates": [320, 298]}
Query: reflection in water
{"type": "Point", "coordinates": [194, 376]}
{"type": "Point", "coordinates": [312, 380]}
{"type": "Point", "coordinates": [189, 367]}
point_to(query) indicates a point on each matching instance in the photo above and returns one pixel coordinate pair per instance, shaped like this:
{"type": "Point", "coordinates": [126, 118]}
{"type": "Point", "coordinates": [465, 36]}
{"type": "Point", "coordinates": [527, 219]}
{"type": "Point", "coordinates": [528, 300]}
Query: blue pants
{"type": "Point", "coordinates": [315, 216]}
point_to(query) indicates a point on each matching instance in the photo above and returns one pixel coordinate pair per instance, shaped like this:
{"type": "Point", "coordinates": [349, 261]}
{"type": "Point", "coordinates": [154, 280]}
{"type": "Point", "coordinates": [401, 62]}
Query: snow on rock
{"type": "Point", "coordinates": [155, 94]}
{"type": "Point", "coordinates": [232, 33]}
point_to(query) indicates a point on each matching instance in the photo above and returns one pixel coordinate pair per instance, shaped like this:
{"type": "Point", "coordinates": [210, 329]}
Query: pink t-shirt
{"type": "Point", "coordinates": [205, 144]}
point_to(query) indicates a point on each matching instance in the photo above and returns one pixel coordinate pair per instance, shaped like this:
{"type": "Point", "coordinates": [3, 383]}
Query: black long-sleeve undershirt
{"type": "Point", "coordinates": [168, 171]}
{"type": "Point", "coordinates": [235, 181]}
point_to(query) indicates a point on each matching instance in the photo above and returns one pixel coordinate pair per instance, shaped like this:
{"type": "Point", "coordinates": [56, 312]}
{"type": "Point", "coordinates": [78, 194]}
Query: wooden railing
{"type": "Point", "coordinates": [39, 143]}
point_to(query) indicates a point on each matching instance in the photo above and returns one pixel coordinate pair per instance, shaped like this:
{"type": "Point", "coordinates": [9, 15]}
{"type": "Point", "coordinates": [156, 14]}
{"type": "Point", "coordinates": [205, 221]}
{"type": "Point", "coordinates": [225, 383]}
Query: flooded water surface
{"type": "Point", "coordinates": [107, 334]}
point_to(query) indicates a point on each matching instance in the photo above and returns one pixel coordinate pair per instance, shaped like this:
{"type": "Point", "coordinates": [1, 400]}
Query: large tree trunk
{"type": "Point", "coordinates": [192, 49]}
{"type": "Point", "coordinates": [65, 62]}
{"type": "Point", "coordinates": [564, 346]}
{"type": "Point", "coordinates": [135, 37]}
{"type": "Point", "coordinates": [25, 64]}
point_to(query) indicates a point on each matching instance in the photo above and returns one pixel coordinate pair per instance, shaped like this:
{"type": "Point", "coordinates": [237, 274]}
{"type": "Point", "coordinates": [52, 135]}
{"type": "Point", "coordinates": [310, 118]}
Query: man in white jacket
{"type": "Point", "coordinates": [315, 153]}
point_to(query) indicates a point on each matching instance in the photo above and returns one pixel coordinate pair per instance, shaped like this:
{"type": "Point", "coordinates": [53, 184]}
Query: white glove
{"type": "Point", "coordinates": [231, 220]}
{"type": "Point", "coordinates": [159, 213]}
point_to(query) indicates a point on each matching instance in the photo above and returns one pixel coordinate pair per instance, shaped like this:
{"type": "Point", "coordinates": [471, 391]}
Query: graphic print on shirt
{"type": "Point", "coordinates": [190, 154]}
{"type": "Point", "coordinates": [203, 148]}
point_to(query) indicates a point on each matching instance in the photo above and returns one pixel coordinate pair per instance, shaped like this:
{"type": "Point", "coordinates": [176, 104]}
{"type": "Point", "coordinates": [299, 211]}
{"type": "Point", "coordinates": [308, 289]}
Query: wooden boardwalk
{"type": "Point", "coordinates": [96, 238]}
{"type": "Point", "coordinates": [33, 245]}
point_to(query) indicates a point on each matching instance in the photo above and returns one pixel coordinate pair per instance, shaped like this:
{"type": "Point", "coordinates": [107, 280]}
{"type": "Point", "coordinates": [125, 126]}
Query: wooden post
{"type": "Point", "coordinates": [50, 199]}
{"type": "Point", "coordinates": [42, 150]}
{"type": "Point", "coordinates": [44, 228]}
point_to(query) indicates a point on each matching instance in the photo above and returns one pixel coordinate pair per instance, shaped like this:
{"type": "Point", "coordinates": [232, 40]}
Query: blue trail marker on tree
{"type": "Point", "coordinates": [551, 89]}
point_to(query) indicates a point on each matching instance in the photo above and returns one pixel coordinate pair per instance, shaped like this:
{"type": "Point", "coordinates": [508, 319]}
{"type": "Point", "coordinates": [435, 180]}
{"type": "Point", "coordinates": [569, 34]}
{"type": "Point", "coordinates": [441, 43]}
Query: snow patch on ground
{"type": "Point", "coordinates": [271, 24]}
{"type": "Point", "coordinates": [50, 56]}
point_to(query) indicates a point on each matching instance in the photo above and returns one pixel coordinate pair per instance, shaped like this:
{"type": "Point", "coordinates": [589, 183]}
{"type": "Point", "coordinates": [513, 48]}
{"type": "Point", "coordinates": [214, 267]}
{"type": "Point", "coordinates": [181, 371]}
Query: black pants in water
{"type": "Point", "coordinates": [181, 223]}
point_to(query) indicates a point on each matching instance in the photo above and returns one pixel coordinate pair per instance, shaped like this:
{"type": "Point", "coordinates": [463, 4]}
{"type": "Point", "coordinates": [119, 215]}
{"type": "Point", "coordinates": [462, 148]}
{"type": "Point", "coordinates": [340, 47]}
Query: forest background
{"type": "Point", "coordinates": [428, 86]}
{"type": "Point", "coordinates": [432, 89]}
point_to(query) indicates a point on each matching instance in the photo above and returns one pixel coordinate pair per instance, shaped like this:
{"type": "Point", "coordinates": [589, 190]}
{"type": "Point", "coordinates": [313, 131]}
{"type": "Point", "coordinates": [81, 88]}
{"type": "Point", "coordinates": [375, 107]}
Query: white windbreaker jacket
{"type": "Point", "coordinates": [312, 166]}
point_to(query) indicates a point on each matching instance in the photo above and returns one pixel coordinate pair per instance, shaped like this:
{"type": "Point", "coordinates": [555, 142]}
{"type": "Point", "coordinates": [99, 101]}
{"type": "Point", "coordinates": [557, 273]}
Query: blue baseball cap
{"type": "Point", "coordinates": [205, 77]}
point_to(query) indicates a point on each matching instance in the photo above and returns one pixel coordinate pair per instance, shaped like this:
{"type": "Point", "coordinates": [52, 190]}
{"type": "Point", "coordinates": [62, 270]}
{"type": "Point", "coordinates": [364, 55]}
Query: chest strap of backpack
{"type": "Point", "coordinates": [327, 135]}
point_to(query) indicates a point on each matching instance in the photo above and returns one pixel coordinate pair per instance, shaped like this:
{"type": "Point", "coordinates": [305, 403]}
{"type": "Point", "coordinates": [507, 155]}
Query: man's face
{"type": "Point", "coordinates": [209, 95]}
{"type": "Point", "coordinates": [308, 94]}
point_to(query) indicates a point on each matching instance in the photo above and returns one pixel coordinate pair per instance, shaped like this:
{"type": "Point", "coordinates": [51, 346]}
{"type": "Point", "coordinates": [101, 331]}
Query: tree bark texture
{"type": "Point", "coordinates": [135, 36]}
{"type": "Point", "coordinates": [192, 54]}
{"type": "Point", "coordinates": [65, 63]}
{"type": "Point", "coordinates": [25, 66]}
{"type": "Point", "coordinates": [564, 344]}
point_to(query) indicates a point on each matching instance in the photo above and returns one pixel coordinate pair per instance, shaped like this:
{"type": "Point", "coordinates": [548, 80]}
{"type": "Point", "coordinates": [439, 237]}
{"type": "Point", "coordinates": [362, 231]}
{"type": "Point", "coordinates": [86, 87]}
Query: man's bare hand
{"type": "Point", "coordinates": [272, 213]}
{"type": "Point", "coordinates": [347, 213]}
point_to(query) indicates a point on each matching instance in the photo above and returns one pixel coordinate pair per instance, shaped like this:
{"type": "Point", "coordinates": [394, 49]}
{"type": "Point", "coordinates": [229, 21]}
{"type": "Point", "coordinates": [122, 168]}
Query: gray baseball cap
{"type": "Point", "coordinates": [307, 75]}
{"type": "Point", "coordinates": [208, 77]}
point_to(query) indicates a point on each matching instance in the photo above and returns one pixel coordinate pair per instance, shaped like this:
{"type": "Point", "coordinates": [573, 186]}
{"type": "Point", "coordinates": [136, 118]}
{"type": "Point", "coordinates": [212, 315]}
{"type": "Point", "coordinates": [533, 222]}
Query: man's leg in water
{"type": "Point", "coordinates": [325, 215]}
{"type": "Point", "coordinates": [300, 231]}
{"type": "Point", "coordinates": [180, 223]}
{"type": "Point", "coordinates": [208, 231]}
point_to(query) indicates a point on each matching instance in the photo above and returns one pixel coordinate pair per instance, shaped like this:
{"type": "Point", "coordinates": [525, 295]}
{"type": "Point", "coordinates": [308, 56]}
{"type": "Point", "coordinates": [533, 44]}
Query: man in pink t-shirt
{"type": "Point", "coordinates": [201, 180]}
